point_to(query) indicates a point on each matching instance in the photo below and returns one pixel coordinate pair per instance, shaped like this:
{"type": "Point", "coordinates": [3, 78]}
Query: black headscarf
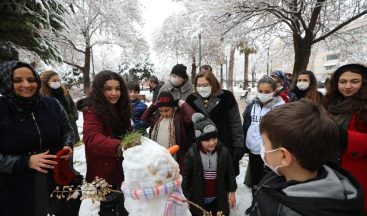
{"type": "Point", "coordinates": [7, 87]}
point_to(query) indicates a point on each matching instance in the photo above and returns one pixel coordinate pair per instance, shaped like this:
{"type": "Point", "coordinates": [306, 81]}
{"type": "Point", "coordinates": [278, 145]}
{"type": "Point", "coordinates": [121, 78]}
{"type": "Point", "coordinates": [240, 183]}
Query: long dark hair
{"type": "Point", "coordinates": [311, 92]}
{"type": "Point", "coordinates": [359, 99]}
{"type": "Point", "coordinates": [118, 114]}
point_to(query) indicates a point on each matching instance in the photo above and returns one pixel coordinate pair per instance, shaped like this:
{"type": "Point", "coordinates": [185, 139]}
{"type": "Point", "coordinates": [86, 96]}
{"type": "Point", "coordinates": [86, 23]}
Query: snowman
{"type": "Point", "coordinates": [152, 185]}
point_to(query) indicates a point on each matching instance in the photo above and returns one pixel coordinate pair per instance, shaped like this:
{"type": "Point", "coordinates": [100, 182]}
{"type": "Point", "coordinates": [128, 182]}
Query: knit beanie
{"type": "Point", "coordinates": [165, 99]}
{"type": "Point", "coordinates": [63, 173]}
{"type": "Point", "coordinates": [180, 70]}
{"type": "Point", "coordinates": [204, 127]}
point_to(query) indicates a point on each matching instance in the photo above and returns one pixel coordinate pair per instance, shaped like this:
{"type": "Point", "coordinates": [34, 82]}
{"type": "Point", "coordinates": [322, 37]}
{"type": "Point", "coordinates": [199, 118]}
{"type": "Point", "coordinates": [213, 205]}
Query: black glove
{"type": "Point", "coordinates": [237, 155]}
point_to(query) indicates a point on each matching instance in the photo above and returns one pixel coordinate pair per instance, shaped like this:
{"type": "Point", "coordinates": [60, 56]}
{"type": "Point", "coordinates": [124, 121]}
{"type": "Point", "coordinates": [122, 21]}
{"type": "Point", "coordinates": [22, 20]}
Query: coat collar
{"type": "Point", "coordinates": [213, 101]}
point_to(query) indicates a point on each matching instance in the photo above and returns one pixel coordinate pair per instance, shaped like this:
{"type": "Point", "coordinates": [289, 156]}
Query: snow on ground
{"type": "Point", "coordinates": [243, 193]}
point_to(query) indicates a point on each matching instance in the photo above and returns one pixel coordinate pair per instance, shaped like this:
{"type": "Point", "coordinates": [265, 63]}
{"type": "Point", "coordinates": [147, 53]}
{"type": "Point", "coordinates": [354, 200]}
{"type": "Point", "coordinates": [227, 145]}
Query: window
{"type": "Point", "coordinates": [329, 67]}
{"type": "Point", "coordinates": [333, 56]}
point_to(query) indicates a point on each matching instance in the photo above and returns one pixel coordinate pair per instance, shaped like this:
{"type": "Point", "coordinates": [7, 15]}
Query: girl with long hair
{"type": "Point", "coordinates": [106, 120]}
{"type": "Point", "coordinates": [305, 86]}
{"type": "Point", "coordinates": [346, 102]}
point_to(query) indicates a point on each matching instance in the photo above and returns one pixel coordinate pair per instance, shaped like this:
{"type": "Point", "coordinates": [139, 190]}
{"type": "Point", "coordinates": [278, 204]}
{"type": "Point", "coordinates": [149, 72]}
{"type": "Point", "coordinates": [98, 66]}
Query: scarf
{"type": "Point", "coordinates": [171, 130]}
{"type": "Point", "coordinates": [342, 109]}
{"type": "Point", "coordinates": [174, 204]}
{"type": "Point", "coordinates": [7, 90]}
{"type": "Point", "coordinates": [60, 96]}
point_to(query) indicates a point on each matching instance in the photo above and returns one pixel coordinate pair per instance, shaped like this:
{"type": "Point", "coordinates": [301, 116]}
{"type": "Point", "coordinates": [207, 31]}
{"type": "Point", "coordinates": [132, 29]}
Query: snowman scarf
{"type": "Point", "coordinates": [174, 204]}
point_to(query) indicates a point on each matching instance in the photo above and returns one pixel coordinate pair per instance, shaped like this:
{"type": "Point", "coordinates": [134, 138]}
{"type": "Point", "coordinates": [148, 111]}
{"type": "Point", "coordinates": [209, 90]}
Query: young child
{"type": "Point", "coordinates": [264, 102]}
{"type": "Point", "coordinates": [299, 139]}
{"type": "Point", "coordinates": [209, 179]}
{"type": "Point", "coordinates": [171, 124]}
{"type": "Point", "coordinates": [137, 106]}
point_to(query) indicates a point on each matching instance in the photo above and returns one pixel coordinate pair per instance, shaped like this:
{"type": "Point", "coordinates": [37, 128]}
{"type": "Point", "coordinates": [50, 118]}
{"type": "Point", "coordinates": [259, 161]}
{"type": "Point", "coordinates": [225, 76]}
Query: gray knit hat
{"type": "Point", "coordinates": [204, 127]}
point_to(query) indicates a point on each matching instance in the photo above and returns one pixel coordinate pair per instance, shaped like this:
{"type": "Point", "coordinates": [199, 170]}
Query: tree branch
{"type": "Point", "coordinates": [74, 65]}
{"type": "Point", "coordinates": [339, 27]}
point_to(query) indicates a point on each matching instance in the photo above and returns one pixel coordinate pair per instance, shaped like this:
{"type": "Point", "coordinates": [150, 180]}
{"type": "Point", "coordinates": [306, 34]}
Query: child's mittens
{"type": "Point", "coordinates": [180, 102]}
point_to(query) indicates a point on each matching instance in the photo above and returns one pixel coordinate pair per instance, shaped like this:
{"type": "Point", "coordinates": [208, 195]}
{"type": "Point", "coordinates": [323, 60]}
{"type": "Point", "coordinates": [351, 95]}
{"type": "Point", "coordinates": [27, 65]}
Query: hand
{"type": "Point", "coordinates": [181, 102]}
{"type": "Point", "coordinates": [232, 199]}
{"type": "Point", "coordinates": [238, 153]}
{"type": "Point", "coordinates": [42, 161]}
{"type": "Point", "coordinates": [68, 156]}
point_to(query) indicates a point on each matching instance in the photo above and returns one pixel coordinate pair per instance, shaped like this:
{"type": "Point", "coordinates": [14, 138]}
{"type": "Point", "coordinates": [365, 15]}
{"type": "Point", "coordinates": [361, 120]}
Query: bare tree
{"type": "Point", "coordinates": [98, 22]}
{"type": "Point", "coordinates": [303, 22]}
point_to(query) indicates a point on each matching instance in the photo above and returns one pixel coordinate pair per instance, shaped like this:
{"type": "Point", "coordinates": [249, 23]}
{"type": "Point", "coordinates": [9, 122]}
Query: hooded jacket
{"type": "Point", "coordinates": [334, 192]}
{"type": "Point", "coordinates": [180, 93]}
{"type": "Point", "coordinates": [252, 117]}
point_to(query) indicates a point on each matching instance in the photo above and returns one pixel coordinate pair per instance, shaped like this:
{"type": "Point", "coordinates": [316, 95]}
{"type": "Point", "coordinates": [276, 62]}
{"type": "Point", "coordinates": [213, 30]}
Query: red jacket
{"type": "Point", "coordinates": [354, 158]}
{"type": "Point", "coordinates": [101, 150]}
{"type": "Point", "coordinates": [184, 132]}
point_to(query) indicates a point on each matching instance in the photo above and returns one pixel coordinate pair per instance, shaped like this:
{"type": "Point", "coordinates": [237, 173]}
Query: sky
{"type": "Point", "coordinates": [154, 13]}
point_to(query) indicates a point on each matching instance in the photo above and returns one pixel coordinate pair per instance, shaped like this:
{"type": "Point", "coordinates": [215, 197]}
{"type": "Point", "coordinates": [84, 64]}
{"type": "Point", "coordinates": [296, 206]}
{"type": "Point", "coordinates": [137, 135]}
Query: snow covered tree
{"type": "Point", "coordinates": [303, 23]}
{"type": "Point", "coordinates": [141, 71]}
{"type": "Point", "coordinates": [99, 23]}
{"type": "Point", "coordinates": [28, 24]}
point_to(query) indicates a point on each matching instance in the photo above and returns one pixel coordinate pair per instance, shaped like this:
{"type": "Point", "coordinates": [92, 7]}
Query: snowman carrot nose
{"type": "Point", "coordinates": [173, 149]}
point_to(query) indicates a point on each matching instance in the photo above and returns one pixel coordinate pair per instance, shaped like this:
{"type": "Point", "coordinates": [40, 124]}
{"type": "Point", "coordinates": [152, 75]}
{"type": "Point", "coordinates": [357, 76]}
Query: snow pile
{"type": "Point", "coordinates": [147, 167]}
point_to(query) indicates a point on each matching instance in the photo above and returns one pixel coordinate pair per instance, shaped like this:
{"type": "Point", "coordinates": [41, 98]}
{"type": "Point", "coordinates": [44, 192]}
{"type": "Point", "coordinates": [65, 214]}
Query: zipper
{"type": "Point", "coordinates": [39, 131]}
{"type": "Point", "coordinates": [40, 149]}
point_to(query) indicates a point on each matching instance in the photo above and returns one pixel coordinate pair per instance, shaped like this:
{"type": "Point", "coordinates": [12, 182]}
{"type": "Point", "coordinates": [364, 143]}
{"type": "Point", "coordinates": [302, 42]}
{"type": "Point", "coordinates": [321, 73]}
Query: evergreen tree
{"type": "Point", "coordinates": [30, 24]}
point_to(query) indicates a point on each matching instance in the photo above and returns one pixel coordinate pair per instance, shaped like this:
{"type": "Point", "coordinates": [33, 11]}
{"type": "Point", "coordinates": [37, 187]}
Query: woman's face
{"type": "Point", "coordinates": [349, 83]}
{"type": "Point", "coordinates": [265, 88]}
{"type": "Point", "coordinates": [304, 78]}
{"type": "Point", "coordinates": [24, 82]}
{"type": "Point", "coordinates": [54, 78]}
{"type": "Point", "coordinates": [112, 91]}
{"type": "Point", "coordinates": [277, 81]}
{"type": "Point", "coordinates": [202, 82]}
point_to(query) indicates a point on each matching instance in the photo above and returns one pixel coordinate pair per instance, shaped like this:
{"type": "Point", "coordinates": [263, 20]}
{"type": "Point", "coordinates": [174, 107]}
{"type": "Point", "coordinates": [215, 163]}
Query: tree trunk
{"type": "Point", "coordinates": [193, 70]}
{"type": "Point", "coordinates": [245, 78]}
{"type": "Point", "coordinates": [230, 69]}
{"type": "Point", "coordinates": [253, 77]}
{"type": "Point", "coordinates": [86, 69]}
{"type": "Point", "coordinates": [302, 53]}
{"type": "Point", "coordinates": [221, 75]}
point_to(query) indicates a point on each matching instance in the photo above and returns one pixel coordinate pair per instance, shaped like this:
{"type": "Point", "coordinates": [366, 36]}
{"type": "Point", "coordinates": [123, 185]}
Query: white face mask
{"type": "Point", "coordinates": [204, 91]}
{"type": "Point", "coordinates": [303, 85]}
{"type": "Point", "coordinates": [265, 97]}
{"type": "Point", "coordinates": [176, 81]}
{"type": "Point", "coordinates": [262, 154]}
{"type": "Point", "coordinates": [55, 85]}
{"type": "Point", "coordinates": [279, 88]}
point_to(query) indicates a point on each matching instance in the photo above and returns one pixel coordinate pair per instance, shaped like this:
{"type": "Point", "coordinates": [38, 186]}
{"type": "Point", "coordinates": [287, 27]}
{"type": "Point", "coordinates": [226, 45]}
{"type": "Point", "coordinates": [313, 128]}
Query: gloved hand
{"type": "Point", "coordinates": [180, 102]}
{"type": "Point", "coordinates": [237, 155]}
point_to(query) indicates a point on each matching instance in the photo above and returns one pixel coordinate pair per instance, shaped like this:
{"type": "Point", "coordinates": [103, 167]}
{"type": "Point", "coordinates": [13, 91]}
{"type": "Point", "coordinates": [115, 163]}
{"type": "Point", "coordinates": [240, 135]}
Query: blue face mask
{"type": "Point", "coordinates": [262, 153]}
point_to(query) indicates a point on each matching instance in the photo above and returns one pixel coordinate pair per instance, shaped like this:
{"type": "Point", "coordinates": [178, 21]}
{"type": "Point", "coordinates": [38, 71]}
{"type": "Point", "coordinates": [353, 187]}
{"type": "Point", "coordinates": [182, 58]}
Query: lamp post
{"type": "Point", "coordinates": [199, 50]}
{"type": "Point", "coordinates": [267, 63]}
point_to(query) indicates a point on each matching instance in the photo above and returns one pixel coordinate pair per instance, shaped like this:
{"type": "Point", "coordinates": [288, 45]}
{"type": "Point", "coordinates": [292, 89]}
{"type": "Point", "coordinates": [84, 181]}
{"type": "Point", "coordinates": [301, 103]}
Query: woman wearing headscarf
{"type": "Point", "coordinates": [33, 129]}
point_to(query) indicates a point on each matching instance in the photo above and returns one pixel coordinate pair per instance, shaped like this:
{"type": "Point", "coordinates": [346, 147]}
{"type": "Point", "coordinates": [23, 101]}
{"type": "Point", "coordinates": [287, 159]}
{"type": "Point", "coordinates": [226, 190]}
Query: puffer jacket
{"type": "Point", "coordinates": [193, 180]}
{"type": "Point", "coordinates": [23, 134]}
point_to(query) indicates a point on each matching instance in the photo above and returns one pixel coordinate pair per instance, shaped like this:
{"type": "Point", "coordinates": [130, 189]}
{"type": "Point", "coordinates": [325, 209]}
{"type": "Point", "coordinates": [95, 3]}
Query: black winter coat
{"type": "Point", "coordinates": [193, 180]}
{"type": "Point", "coordinates": [223, 111]}
{"type": "Point", "coordinates": [24, 191]}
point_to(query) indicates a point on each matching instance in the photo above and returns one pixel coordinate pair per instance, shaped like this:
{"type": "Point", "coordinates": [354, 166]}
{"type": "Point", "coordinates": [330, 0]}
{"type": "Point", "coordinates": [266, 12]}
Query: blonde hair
{"type": "Point", "coordinates": [45, 88]}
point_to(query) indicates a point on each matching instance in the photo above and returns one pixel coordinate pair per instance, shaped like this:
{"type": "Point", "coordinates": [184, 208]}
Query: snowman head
{"type": "Point", "coordinates": [148, 165]}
